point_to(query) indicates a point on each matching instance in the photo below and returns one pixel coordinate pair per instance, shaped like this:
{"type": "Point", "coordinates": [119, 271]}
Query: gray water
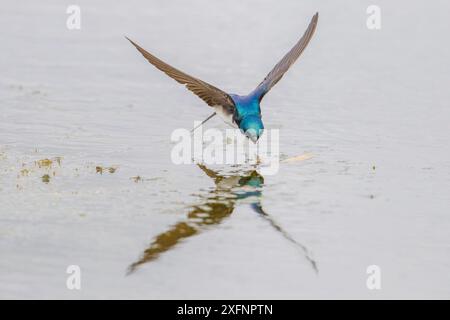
{"type": "Point", "coordinates": [371, 106]}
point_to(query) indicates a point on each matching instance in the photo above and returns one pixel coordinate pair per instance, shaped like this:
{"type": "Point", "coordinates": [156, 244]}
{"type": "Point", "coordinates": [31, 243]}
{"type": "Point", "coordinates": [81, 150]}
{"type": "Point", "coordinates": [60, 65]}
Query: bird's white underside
{"type": "Point", "coordinates": [226, 116]}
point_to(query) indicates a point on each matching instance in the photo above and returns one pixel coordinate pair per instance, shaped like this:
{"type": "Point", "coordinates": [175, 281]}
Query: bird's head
{"type": "Point", "coordinates": [252, 127]}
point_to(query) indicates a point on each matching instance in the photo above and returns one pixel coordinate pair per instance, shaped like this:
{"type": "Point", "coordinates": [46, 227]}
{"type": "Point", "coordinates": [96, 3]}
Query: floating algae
{"type": "Point", "coordinates": [100, 169]}
{"type": "Point", "coordinates": [112, 169]}
{"type": "Point", "coordinates": [44, 166]}
{"type": "Point", "coordinates": [58, 160]}
{"type": "Point", "coordinates": [142, 179]}
{"type": "Point", "coordinates": [45, 178]}
{"type": "Point", "coordinates": [44, 163]}
{"type": "Point", "coordinates": [136, 179]}
{"type": "Point", "coordinates": [47, 163]}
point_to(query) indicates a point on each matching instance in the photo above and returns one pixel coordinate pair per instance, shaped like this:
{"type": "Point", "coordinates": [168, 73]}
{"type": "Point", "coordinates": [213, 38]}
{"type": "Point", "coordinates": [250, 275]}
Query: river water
{"type": "Point", "coordinates": [86, 177]}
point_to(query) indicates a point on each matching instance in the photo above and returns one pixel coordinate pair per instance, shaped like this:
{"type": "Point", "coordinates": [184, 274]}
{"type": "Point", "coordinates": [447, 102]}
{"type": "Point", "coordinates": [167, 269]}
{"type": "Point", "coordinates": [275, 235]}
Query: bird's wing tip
{"type": "Point", "coordinates": [131, 41]}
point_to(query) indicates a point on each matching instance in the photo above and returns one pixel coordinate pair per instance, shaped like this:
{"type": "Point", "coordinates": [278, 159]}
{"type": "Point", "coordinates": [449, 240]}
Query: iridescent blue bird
{"type": "Point", "coordinates": [243, 112]}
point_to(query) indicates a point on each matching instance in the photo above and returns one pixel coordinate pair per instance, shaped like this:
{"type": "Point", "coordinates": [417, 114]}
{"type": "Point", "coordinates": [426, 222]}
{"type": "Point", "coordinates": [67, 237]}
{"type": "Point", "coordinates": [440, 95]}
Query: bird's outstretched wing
{"type": "Point", "coordinates": [208, 93]}
{"type": "Point", "coordinates": [279, 70]}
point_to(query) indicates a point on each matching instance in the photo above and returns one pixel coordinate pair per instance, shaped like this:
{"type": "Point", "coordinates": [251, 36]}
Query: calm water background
{"type": "Point", "coordinates": [371, 106]}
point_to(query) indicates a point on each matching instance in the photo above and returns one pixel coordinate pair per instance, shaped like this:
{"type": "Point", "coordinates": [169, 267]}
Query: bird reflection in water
{"type": "Point", "coordinates": [217, 205]}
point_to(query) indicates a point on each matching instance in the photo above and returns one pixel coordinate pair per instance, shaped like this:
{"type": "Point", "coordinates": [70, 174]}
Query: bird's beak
{"type": "Point", "coordinates": [252, 135]}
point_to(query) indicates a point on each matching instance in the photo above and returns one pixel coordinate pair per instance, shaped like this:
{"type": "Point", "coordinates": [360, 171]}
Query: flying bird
{"type": "Point", "coordinates": [239, 111]}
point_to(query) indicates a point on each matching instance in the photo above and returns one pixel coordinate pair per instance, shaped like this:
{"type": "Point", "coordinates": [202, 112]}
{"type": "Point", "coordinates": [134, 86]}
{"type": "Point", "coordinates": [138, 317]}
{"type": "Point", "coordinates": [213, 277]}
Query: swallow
{"type": "Point", "coordinates": [239, 111]}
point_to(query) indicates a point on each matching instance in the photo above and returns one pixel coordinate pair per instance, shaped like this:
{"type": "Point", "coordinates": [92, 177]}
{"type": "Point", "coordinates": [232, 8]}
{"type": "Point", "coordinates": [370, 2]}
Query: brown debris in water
{"type": "Point", "coordinates": [46, 163]}
{"type": "Point", "coordinates": [58, 160]}
{"type": "Point", "coordinates": [45, 178]}
{"type": "Point", "coordinates": [44, 166]}
{"type": "Point", "coordinates": [136, 179]}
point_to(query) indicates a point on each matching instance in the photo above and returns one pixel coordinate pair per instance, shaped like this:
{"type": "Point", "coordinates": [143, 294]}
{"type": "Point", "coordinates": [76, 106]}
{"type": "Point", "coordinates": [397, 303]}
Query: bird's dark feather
{"type": "Point", "coordinates": [208, 93]}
